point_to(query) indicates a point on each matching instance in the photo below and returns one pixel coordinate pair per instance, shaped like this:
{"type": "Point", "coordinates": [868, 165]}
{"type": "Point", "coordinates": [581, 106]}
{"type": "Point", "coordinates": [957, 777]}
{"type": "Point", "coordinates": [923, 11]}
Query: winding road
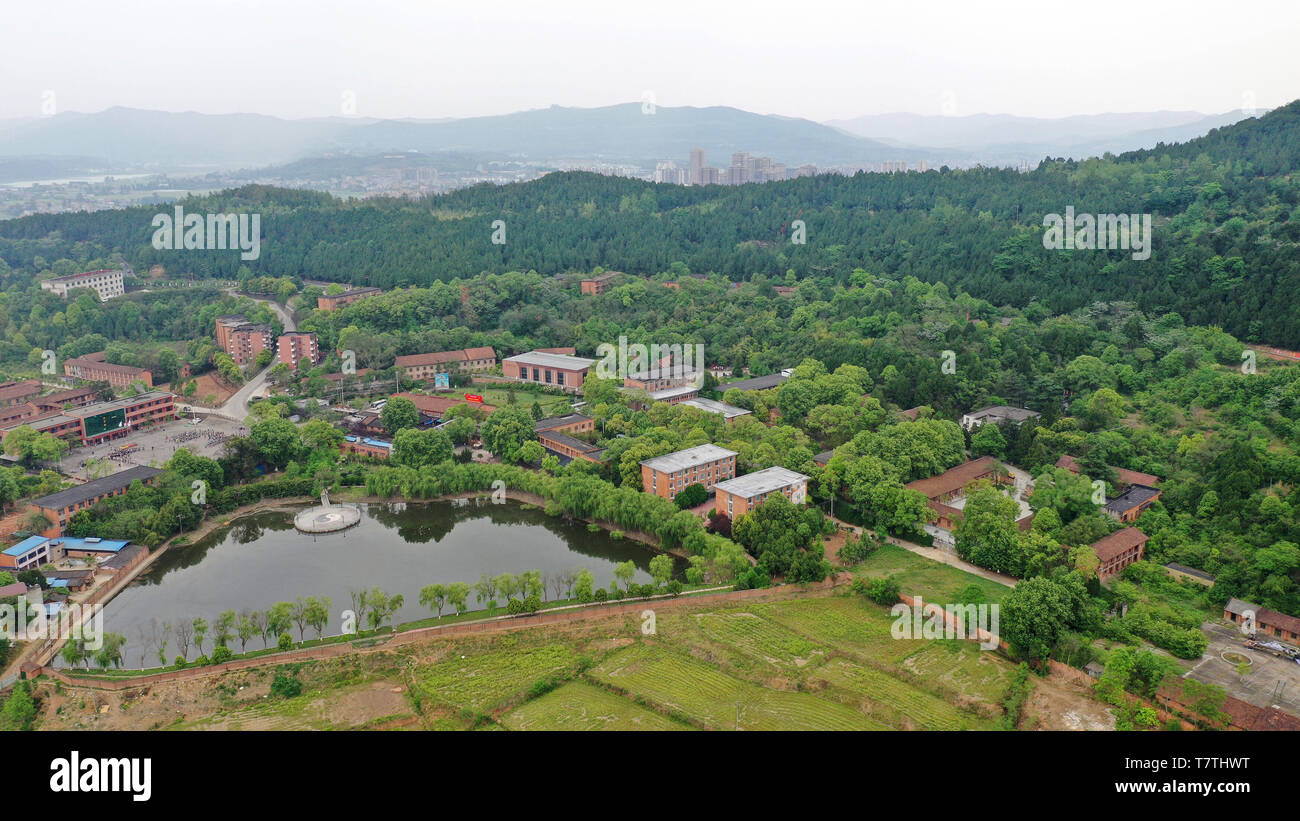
{"type": "Point", "coordinates": [236, 407]}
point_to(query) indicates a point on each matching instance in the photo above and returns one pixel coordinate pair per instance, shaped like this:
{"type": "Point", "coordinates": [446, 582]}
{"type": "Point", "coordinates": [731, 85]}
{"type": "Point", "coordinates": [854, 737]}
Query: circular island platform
{"type": "Point", "coordinates": [326, 518]}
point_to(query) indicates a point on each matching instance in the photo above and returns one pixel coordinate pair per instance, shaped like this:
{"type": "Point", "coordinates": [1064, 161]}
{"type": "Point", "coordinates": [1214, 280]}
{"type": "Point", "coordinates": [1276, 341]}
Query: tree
{"type": "Point", "coordinates": [458, 596]}
{"type": "Point", "coordinates": [624, 571]}
{"type": "Point", "coordinates": [223, 627]}
{"type": "Point", "coordinates": [418, 448]}
{"type": "Point", "coordinates": [506, 430]}
{"type": "Point", "coordinates": [316, 612]}
{"type": "Point", "coordinates": [987, 440]}
{"type": "Point", "coordinates": [399, 413]}
{"type": "Point", "coordinates": [661, 568]}
{"type": "Point", "coordinates": [434, 596]}
{"type": "Point", "coordinates": [987, 533]}
{"type": "Point", "coordinates": [200, 631]}
{"type": "Point", "coordinates": [1034, 615]}
{"type": "Point", "coordinates": [19, 711]}
{"type": "Point", "coordinates": [279, 619]}
{"type": "Point", "coordinates": [584, 586]}
{"type": "Point", "coordinates": [690, 496]}
{"type": "Point", "coordinates": [318, 434]}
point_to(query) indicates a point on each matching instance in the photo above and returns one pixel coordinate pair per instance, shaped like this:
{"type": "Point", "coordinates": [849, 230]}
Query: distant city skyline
{"type": "Point", "coordinates": [820, 61]}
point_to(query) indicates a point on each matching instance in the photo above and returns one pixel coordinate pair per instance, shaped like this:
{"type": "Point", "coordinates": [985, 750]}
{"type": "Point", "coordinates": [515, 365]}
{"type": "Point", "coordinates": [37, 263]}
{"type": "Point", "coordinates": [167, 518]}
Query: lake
{"type": "Point", "coordinates": [261, 559]}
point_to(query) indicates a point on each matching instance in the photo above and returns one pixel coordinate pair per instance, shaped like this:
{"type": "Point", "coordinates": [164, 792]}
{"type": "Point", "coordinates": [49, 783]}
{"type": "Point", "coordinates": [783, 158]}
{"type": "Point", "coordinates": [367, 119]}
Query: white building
{"type": "Point", "coordinates": [106, 282]}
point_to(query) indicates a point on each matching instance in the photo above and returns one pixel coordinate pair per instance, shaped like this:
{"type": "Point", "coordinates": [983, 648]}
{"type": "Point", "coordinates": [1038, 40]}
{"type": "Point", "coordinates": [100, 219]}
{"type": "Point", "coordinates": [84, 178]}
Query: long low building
{"type": "Point", "coordinates": [436, 407]}
{"type": "Point", "coordinates": [742, 494]}
{"type": "Point", "coordinates": [95, 368]}
{"type": "Point", "coordinates": [61, 506]}
{"type": "Point", "coordinates": [569, 447]}
{"type": "Point", "coordinates": [365, 446]}
{"type": "Point", "coordinates": [1263, 620]}
{"type": "Point", "coordinates": [672, 473]}
{"type": "Point", "coordinates": [101, 421]}
{"type": "Point", "coordinates": [1130, 504]}
{"type": "Point", "coordinates": [569, 423]}
{"type": "Point", "coordinates": [727, 412]}
{"type": "Point", "coordinates": [428, 365]}
{"type": "Point", "coordinates": [553, 369]}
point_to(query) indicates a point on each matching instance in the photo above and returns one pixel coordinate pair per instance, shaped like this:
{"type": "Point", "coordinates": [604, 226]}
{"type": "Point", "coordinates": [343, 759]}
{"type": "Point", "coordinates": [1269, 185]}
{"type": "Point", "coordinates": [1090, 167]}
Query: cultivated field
{"type": "Point", "coordinates": [825, 662]}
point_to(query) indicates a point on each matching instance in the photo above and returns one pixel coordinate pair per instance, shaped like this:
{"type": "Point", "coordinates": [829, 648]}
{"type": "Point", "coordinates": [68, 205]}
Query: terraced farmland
{"type": "Point", "coordinates": [582, 706]}
{"type": "Point", "coordinates": [762, 639]}
{"type": "Point", "coordinates": [484, 679]}
{"type": "Point", "coordinates": [716, 700]}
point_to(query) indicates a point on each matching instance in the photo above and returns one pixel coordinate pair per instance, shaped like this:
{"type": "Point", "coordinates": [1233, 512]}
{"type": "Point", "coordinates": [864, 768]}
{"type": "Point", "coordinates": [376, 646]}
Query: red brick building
{"type": "Point", "coordinates": [466, 360]}
{"type": "Point", "coordinates": [15, 393]}
{"type": "Point", "coordinates": [293, 346]}
{"type": "Point", "coordinates": [93, 368]}
{"type": "Point", "coordinates": [556, 370]}
{"type": "Point", "coordinates": [672, 473]}
{"type": "Point", "coordinates": [952, 483]}
{"type": "Point", "coordinates": [599, 284]}
{"type": "Point", "coordinates": [738, 496]}
{"type": "Point", "coordinates": [242, 339]}
{"type": "Point", "coordinates": [1119, 550]}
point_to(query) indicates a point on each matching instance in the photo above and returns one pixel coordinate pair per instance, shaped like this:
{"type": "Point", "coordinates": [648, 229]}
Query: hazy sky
{"type": "Point", "coordinates": [809, 58]}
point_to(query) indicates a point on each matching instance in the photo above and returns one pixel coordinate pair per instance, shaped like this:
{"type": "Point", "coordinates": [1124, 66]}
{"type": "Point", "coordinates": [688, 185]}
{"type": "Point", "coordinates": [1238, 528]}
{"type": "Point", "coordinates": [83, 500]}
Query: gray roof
{"type": "Point", "coordinates": [559, 421]}
{"type": "Point", "coordinates": [1237, 607]}
{"type": "Point", "coordinates": [122, 557]}
{"type": "Point", "coordinates": [552, 360]}
{"type": "Point", "coordinates": [762, 481]}
{"type": "Point", "coordinates": [1004, 412]}
{"type": "Point", "coordinates": [714, 406]}
{"type": "Point", "coordinates": [96, 487]}
{"type": "Point", "coordinates": [1191, 571]}
{"type": "Point", "coordinates": [1132, 496]}
{"type": "Point", "coordinates": [103, 407]}
{"type": "Point", "coordinates": [824, 457]}
{"type": "Point", "coordinates": [669, 393]}
{"type": "Point", "coordinates": [758, 383]}
{"type": "Point", "coordinates": [682, 459]}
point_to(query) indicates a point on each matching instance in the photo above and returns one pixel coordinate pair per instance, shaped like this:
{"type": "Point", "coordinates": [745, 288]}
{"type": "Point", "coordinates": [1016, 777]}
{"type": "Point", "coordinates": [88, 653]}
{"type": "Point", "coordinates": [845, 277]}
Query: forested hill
{"type": "Point", "coordinates": [1226, 212]}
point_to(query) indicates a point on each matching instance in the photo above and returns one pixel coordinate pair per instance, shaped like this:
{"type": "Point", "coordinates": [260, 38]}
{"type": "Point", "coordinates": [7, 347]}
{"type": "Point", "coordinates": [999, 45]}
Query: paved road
{"type": "Point", "coordinates": [236, 407]}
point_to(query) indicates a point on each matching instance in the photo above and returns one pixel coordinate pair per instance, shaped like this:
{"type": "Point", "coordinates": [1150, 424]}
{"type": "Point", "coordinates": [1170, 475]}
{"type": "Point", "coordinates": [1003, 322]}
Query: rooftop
{"type": "Point", "coordinates": [762, 481]}
{"type": "Point", "coordinates": [551, 422]}
{"type": "Point", "coordinates": [552, 360]}
{"type": "Point", "coordinates": [96, 487]}
{"type": "Point", "coordinates": [714, 406]}
{"type": "Point", "coordinates": [758, 383]}
{"type": "Point", "coordinates": [669, 393]}
{"type": "Point", "coordinates": [1004, 412]}
{"type": "Point", "coordinates": [1132, 496]}
{"type": "Point", "coordinates": [1119, 542]}
{"type": "Point", "coordinates": [953, 479]}
{"type": "Point", "coordinates": [689, 458]}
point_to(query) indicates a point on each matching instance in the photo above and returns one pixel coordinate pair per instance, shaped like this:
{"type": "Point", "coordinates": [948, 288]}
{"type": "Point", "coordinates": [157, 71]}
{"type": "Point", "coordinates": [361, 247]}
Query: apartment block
{"type": "Point", "coordinates": [332, 302]}
{"type": "Point", "coordinates": [293, 346]}
{"type": "Point", "coordinates": [672, 473]}
{"type": "Point", "coordinates": [242, 339]}
{"type": "Point", "coordinates": [738, 496]}
{"type": "Point", "coordinates": [106, 282]}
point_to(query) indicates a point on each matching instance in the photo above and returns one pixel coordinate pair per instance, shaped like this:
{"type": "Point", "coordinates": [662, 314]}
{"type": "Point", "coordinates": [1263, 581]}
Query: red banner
{"type": "Point", "coordinates": [470, 397]}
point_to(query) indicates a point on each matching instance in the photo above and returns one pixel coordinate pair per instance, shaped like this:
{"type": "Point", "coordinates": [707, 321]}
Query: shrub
{"type": "Point", "coordinates": [880, 590]}
{"type": "Point", "coordinates": [533, 603]}
{"type": "Point", "coordinates": [221, 654]}
{"type": "Point", "coordinates": [515, 607]}
{"type": "Point", "coordinates": [285, 642]}
{"type": "Point", "coordinates": [602, 596]}
{"type": "Point", "coordinates": [675, 587]}
{"type": "Point", "coordinates": [285, 685]}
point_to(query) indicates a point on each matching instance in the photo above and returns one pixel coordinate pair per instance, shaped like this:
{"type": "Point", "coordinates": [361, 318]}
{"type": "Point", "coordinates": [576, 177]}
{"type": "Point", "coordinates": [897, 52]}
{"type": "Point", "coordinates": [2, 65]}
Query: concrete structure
{"type": "Point", "coordinates": [742, 494]}
{"type": "Point", "coordinates": [93, 368]}
{"type": "Point", "coordinates": [61, 506]}
{"type": "Point", "coordinates": [728, 412]}
{"type": "Point", "coordinates": [1185, 573]}
{"type": "Point", "coordinates": [106, 282]}
{"type": "Point", "coordinates": [327, 518]}
{"type": "Point", "coordinates": [242, 339]}
{"type": "Point", "coordinates": [294, 346]}
{"type": "Point", "coordinates": [672, 473]}
{"type": "Point", "coordinates": [556, 370]}
{"type": "Point", "coordinates": [1265, 621]}
{"type": "Point", "coordinates": [1131, 503]}
{"type": "Point", "coordinates": [101, 421]}
{"type": "Point", "coordinates": [1119, 550]}
{"type": "Point", "coordinates": [30, 553]}
{"type": "Point", "coordinates": [997, 414]}
{"type": "Point", "coordinates": [332, 302]}
{"type": "Point", "coordinates": [427, 365]}
{"type": "Point", "coordinates": [599, 284]}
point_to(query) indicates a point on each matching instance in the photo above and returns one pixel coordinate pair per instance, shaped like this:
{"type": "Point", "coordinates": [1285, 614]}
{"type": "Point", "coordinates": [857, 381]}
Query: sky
{"type": "Point", "coordinates": [816, 59]}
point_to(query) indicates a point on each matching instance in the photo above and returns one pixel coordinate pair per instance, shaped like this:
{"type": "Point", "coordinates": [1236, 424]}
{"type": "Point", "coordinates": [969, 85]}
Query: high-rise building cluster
{"type": "Point", "coordinates": [744, 168]}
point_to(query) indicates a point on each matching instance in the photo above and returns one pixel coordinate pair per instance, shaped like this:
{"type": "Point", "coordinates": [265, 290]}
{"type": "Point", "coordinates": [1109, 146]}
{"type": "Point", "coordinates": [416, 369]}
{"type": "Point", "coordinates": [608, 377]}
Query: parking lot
{"type": "Point", "coordinates": [154, 446]}
{"type": "Point", "coordinates": [1271, 680]}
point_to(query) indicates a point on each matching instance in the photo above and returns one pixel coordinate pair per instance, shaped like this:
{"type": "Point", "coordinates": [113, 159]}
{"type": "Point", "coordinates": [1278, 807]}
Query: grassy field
{"type": "Point", "coordinates": [581, 706]}
{"type": "Point", "coordinates": [916, 574]}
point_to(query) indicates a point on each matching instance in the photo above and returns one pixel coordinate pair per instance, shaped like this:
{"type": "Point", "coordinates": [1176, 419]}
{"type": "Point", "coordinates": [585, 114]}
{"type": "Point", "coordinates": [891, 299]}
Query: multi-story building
{"type": "Point", "coordinates": [294, 346]}
{"type": "Point", "coordinates": [242, 339]}
{"type": "Point", "coordinates": [1131, 503]}
{"type": "Point", "coordinates": [1119, 550]}
{"type": "Point", "coordinates": [106, 282]}
{"type": "Point", "coordinates": [16, 393]}
{"type": "Point", "coordinates": [697, 166]}
{"type": "Point", "coordinates": [59, 507]}
{"type": "Point", "coordinates": [427, 365]}
{"type": "Point", "coordinates": [93, 368]}
{"type": "Point", "coordinates": [332, 302]}
{"type": "Point", "coordinates": [599, 284]}
{"type": "Point", "coordinates": [101, 421]}
{"type": "Point", "coordinates": [672, 473]}
{"type": "Point", "coordinates": [558, 370]}
{"type": "Point", "coordinates": [744, 493]}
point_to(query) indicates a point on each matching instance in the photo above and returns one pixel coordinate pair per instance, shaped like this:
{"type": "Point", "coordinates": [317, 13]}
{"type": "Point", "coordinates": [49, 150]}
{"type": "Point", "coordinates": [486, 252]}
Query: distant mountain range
{"type": "Point", "coordinates": [121, 139]}
{"type": "Point", "coordinates": [1008, 138]}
